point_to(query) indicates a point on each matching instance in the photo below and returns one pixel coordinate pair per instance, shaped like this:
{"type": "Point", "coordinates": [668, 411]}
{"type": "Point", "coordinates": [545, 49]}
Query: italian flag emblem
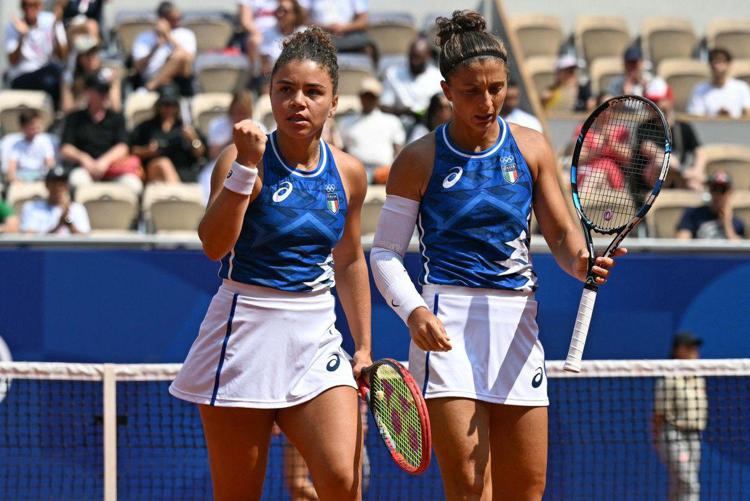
{"type": "Point", "coordinates": [510, 173]}
{"type": "Point", "coordinates": [332, 201]}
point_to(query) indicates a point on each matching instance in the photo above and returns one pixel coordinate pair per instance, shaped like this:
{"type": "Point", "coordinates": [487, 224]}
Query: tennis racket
{"type": "Point", "coordinates": [400, 413]}
{"type": "Point", "coordinates": [620, 162]}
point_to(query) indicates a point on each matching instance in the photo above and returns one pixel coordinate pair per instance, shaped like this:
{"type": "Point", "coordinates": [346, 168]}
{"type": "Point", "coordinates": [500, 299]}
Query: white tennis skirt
{"type": "Point", "coordinates": [263, 348]}
{"type": "Point", "coordinates": [496, 357]}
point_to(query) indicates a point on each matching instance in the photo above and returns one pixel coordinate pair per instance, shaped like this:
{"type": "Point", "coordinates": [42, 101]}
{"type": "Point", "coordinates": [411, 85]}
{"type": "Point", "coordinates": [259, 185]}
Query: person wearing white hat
{"type": "Point", "coordinates": [568, 92]}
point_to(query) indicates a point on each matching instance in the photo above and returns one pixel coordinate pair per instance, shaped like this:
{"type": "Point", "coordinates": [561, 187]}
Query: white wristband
{"type": "Point", "coordinates": [241, 179]}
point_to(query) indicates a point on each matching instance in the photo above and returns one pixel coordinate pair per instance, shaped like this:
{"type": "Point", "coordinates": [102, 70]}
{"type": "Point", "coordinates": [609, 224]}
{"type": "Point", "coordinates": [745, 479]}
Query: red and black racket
{"type": "Point", "coordinates": [400, 413]}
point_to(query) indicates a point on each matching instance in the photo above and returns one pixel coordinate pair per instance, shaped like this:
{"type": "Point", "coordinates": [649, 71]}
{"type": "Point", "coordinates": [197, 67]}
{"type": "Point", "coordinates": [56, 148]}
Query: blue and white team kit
{"type": "Point", "coordinates": [268, 339]}
{"type": "Point", "coordinates": [477, 276]}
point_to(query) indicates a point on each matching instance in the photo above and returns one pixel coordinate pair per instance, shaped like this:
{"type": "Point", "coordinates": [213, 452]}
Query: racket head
{"type": "Point", "coordinates": [400, 413]}
{"type": "Point", "coordinates": [619, 164]}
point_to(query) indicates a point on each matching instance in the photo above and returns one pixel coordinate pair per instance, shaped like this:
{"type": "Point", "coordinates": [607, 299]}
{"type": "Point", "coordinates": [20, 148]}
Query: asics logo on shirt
{"type": "Point", "coordinates": [452, 178]}
{"type": "Point", "coordinates": [283, 192]}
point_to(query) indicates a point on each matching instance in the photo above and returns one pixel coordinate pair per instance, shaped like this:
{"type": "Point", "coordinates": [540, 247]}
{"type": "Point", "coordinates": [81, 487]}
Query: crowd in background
{"type": "Point", "coordinates": [65, 51]}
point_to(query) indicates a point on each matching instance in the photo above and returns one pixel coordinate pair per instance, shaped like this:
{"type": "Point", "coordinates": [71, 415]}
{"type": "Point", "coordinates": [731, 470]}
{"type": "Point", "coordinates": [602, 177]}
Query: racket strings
{"type": "Point", "coordinates": [395, 409]}
{"type": "Point", "coordinates": [621, 158]}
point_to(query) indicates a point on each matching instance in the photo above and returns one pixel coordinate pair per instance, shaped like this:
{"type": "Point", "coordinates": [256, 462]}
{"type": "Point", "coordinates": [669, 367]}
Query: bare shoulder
{"type": "Point", "coordinates": [412, 168]}
{"type": "Point", "coordinates": [351, 170]}
{"type": "Point", "coordinates": [534, 147]}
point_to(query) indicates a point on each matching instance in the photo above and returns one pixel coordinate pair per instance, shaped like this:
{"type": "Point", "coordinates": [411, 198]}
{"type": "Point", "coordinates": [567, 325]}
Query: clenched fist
{"type": "Point", "coordinates": [250, 142]}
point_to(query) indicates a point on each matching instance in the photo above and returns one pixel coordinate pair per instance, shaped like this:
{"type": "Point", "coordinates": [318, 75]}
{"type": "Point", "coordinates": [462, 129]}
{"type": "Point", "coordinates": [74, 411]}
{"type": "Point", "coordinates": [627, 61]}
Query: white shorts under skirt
{"type": "Point", "coordinates": [263, 348]}
{"type": "Point", "coordinates": [496, 356]}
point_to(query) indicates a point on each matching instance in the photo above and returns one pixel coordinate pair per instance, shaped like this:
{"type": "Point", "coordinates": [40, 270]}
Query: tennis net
{"type": "Point", "coordinates": [102, 431]}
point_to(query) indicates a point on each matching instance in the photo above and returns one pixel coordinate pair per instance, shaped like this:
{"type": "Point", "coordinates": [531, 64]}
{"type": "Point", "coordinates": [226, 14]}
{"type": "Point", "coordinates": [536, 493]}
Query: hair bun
{"type": "Point", "coordinates": [460, 22]}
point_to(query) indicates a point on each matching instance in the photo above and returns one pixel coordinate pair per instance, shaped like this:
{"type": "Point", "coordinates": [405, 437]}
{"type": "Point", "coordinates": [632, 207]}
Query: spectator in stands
{"type": "Point", "coordinates": [58, 214]}
{"type": "Point", "coordinates": [290, 17]}
{"type": "Point", "coordinates": [87, 61]}
{"type": "Point", "coordinates": [372, 136]}
{"type": "Point", "coordinates": [35, 45]}
{"type": "Point", "coordinates": [568, 93]}
{"type": "Point", "coordinates": [220, 128]}
{"type": "Point", "coordinates": [346, 21]}
{"type": "Point", "coordinates": [714, 220]}
{"type": "Point", "coordinates": [723, 96]}
{"type": "Point", "coordinates": [165, 54]}
{"type": "Point", "coordinates": [32, 154]}
{"type": "Point", "coordinates": [439, 111]}
{"type": "Point", "coordinates": [169, 149]}
{"type": "Point", "coordinates": [80, 17]}
{"type": "Point", "coordinates": [8, 220]}
{"type": "Point", "coordinates": [636, 78]}
{"type": "Point", "coordinates": [256, 18]}
{"type": "Point", "coordinates": [408, 86]}
{"type": "Point", "coordinates": [94, 141]}
{"type": "Point", "coordinates": [685, 163]}
{"type": "Point", "coordinates": [513, 114]}
{"type": "Point", "coordinates": [679, 418]}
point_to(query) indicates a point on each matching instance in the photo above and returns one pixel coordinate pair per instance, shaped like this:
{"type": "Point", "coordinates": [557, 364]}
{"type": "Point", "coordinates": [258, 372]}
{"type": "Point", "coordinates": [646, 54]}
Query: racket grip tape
{"type": "Point", "coordinates": [580, 331]}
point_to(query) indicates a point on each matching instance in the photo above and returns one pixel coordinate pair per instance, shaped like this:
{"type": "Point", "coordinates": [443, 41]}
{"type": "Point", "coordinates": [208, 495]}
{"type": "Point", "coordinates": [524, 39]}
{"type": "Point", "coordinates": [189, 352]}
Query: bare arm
{"type": "Point", "coordinates": [11, 224]}
{"type": "Point", "coordinates": [222, 223]}
{"type": "Point", "coordinates": [116, 152]}
{"type": "Point", "coordinates": [352, 279]}
{"type": "Point", "coordinates": [72, 154]}
{"type": "Point", "coordinates": [22, 28]}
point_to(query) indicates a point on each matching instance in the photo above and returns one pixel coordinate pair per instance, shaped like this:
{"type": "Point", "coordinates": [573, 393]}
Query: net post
{"type": "Point", "coordinates": [110, 432]}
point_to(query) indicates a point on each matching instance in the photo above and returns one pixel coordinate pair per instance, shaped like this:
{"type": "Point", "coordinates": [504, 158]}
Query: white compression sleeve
{"type": "Point", "coordinates": [394, 231]}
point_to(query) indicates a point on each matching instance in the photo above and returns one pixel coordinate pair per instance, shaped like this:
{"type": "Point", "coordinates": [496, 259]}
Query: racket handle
{"type": "Point", "coordinates": [581, 330]}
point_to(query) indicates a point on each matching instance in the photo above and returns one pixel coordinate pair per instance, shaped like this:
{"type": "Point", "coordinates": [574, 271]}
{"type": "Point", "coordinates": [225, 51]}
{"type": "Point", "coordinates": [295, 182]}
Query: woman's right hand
{"type": "Point", "coordinates": [428, 331]}
{"type": "Point", "coordinates": [250, 142]}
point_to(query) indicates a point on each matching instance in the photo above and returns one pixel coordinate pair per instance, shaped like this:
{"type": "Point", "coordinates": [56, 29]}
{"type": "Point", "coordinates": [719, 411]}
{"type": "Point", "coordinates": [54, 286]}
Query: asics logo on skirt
{"type": "Point", "coordinates": [283, 192]}
{"type": "Point", "coordinates": [333, 363]}
{"type": "Point", "coordinates": [452, 178]}
{"type": "Point", "coordinates": [536, 382]}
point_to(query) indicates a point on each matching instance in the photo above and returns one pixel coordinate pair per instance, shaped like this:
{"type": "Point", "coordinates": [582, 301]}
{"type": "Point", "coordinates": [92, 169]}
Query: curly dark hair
{"type": "Point", "coordinates": [312, 44]}
{"type": "Point", "coordinates": [464, 37]}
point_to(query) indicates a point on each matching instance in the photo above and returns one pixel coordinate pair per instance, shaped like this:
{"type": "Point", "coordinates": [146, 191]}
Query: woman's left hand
{"type": "Point", "coordinates": [361, 360]}
{"type": "Point", "coordinates": [602, 265]}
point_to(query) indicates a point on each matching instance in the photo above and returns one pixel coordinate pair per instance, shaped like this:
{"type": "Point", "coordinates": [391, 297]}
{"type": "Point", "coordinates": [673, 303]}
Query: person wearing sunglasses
{"type": "Point", "coordinates": [714, 220]}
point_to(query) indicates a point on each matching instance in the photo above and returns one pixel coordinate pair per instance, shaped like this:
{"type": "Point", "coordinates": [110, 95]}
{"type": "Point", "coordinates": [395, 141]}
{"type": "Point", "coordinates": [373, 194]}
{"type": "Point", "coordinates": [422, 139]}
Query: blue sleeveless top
{"type": "Point", "coordinates": [474, 216]}
{"type": "Point", "coordinates": [290, 229]}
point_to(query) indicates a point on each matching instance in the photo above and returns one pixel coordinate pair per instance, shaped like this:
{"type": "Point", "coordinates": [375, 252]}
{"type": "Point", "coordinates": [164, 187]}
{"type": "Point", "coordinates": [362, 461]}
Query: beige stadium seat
{"type": "Point", "coordinates": [128, 25]}
{"type": "Point", "coordinates": [212, 32]}
{"type": "Point", "coordinates": [220, 72]}
{"type": "Point", "coordinates": [173, 207]}
{"type": "Point", "coordinates": [541, 69]}
{"type": "Point", "coordinates": [371, 207]}
{"type": "Point", "coordinates": [741, 69]}
{"type": "Point", "coordinates": [391, 32]}
{"type": "Point", "coordinates": [13, 102]}
{"type": "Point", "coordinates": [262, 112]}
{"type": "Point", "coordinates": [730, 34]}
{"type": "Point", "coordinates": [601, 36]}
{"type": "Point", "coordinates": [741, 208]}
{"type": "Point", "coordinates": [110, 206]}
{"type": "Point", "coordinates": [139, 106]}
{"type": "Point", "coordinates": [348, 105]}
{"type": "Point", "coordinates": [603, 70]}
{"type": "Point", "coordinates": [683, 75]}
{"type": "Point", "coordinates": [667, 37]}
{"type": "Point", "coordinates": [538, 34]}
{"type": "Point", "coordinates": [352, 69]}
{"type": "Point", "coordinates": [20, 193]}
{"type": "Point", "coordinates": [664, 216]}
{"type": "Point", "coordinates": [732, 158]}
{"type": "Point", "coordinates": [207, 106]}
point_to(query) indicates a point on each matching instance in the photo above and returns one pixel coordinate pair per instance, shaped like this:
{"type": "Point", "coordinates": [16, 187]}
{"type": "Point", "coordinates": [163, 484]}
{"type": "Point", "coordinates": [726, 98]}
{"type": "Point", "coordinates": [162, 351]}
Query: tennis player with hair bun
{"type": "Point", "coordinates": [284, 219]}
{"type": "Point", "coordinates": [470, 186]}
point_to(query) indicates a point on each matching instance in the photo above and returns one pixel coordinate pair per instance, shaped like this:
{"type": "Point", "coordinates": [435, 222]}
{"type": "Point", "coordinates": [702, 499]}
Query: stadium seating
{"type": "Point", "coordinates": [110, 206]}
{"type": "Point", "coordinates": [20, 193]}
{"type": "Point", "coordinates": [348, 105]}
{"type": "Point", "coordinates": [220, 72]}
{"type": "Point", "coordinates": [741, 70]}
{"type": "Point", "coordinates": [732, 158]}
{"type": "Point", "coordinates": [730, 34]}
{"type": "Point", "coordinates": [13, 102]}
{"type": "Point", "coordinates": [391, 31]}
{"type": "Point", "coordinates": [541, 69]}
{"type": "Point", "coordinates": [139, 106]}
{"type": "Point", "coordinates": [603, 70]}
{"type": "Point", "coordinates": [172, 207]}
{"type": "Point", "coordinates": [683, 75]}
{"type": "Point", "coordinates": [352, 69]}
{"type": "Point", "coordinates": [601, 36]}
{"type": "Point", "coordinates": [538, 34]}
{"type": "Point", "coordinates": [664, 216]}
{"type": "Point", "coordinates": [371, 207]}
{"type": "Point", "coordinates": [127, 26]}
{"type": "Point", "coordinates": [207, 106]}
{"type": "Point", "coordinates": [212, 30]}
{"type": "Point", "coordinates": [667, 37]}
{"type": "Point", "coordinates": [262, 112]}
